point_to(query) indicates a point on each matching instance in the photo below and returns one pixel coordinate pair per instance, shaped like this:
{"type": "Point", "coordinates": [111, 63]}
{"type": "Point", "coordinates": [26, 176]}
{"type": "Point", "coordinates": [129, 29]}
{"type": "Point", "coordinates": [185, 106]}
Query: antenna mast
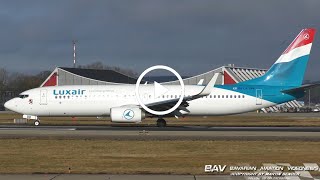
{"type": "Point", "coordinates": [74, 53]}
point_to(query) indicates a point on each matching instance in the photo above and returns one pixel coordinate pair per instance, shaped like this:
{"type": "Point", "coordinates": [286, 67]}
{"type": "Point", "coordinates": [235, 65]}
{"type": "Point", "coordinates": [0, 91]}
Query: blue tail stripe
{"type": "Point", "coordinates": [283, 74]}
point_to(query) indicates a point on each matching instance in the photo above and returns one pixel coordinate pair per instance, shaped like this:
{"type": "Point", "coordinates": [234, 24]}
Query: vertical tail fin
{"type": "Point", "coordinates": [290, 67]}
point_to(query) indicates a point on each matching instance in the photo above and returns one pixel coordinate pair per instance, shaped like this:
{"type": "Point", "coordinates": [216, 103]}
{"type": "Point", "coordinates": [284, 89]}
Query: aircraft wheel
{"type": "Point", "coordinates": [161, 123]}
{"type": "Point", "coordinates": [37, 123]}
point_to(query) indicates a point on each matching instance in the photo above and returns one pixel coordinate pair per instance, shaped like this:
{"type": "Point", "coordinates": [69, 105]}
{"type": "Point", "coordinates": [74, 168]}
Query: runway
{"type": "Point", "coordinates": [167, 133]}
{"type": "Point", "coordinates": [168, 128]}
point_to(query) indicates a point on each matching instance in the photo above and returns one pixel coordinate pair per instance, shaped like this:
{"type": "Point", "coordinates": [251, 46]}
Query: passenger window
{"type": "Point", "coordinates": [214, 96]}
{"type": "Point", "coordinates": [235, 96]}
{"type": "Point", "coordinates": [218, 96]}
{"type": "Point", "coordinates": [242, 96]}
{"type": "Point", "coordinates": [222, 96]}
{"type": "Point", "coordinates": [226, 96]}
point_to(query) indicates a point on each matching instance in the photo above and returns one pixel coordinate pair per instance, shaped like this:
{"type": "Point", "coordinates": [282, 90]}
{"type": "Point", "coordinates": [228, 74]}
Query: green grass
{"type": "Point", "coordinates": [136, 157]}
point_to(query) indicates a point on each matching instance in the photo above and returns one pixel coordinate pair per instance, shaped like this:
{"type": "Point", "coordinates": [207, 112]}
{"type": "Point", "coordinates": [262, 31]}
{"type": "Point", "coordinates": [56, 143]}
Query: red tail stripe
{"type": "Point", "coordinates": [305, 37]}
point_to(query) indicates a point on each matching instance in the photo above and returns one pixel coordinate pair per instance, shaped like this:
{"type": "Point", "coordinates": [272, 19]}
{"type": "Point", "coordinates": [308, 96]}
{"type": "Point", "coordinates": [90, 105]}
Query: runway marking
{"type": "Point", "coordinates": [51, 129]}
{"type": "Point", "coordinates": [156, 129]}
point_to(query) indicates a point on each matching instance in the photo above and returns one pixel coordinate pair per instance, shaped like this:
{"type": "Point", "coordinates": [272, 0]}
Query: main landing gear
{"type": "Point", "coordinates": [161, 122]}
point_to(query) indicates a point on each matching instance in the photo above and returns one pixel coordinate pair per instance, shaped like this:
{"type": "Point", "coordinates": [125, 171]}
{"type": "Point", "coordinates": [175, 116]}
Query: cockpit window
{"type": "Point", "coordinates": [22, 96]}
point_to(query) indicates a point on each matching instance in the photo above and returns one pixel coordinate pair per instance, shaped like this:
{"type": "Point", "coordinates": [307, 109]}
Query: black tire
{"type": "Point", "coordinates": [161, 123]}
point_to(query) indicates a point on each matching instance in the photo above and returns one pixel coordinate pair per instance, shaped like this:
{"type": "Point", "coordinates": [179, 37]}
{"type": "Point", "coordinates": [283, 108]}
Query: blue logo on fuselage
{"type": "Point", "coordinates": [68, 92]}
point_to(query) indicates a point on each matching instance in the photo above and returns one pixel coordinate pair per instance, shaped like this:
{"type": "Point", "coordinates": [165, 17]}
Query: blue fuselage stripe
{"type": "Point", "coordinates": [283, 74]}
{"type": "Point", "coordinates": [269, 93]}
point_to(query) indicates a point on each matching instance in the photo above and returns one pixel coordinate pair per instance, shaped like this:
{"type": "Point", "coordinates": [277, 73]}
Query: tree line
{"type": "Point", "coordinates": [18, 82]}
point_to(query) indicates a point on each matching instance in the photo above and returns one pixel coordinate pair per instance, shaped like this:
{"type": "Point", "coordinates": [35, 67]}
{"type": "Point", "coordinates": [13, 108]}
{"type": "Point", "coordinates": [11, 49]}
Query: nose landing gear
{"type": "Point", "coordinates": [37, 122]}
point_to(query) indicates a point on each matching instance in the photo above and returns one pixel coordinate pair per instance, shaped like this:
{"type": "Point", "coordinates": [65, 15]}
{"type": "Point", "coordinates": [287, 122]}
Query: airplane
{"type": "Point", "coordinates": [281, 83]}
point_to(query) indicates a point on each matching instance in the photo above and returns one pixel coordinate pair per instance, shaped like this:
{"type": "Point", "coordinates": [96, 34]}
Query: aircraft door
{"type": "Point", "coordinates": [258, 96]}
{"type": "Point", "coordinates": [43, 97]}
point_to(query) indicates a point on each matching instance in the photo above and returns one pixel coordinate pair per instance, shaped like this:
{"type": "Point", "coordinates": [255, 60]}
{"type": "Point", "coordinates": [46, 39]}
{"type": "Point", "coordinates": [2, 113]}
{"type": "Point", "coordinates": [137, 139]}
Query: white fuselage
{"type": "Point", "coordinates": [98, 100]}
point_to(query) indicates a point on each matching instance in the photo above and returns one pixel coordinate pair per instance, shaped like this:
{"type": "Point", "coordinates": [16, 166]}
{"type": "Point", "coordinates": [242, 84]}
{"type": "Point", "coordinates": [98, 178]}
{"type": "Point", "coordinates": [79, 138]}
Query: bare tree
{"type": "Point", "coordinates": [20, 82]}
{"type": "Point", "coordinates": [101, 66]}
{"type": "Point", "coordinates": [3, 79]}
{"type": "Point", "coordinates": [95, 65]}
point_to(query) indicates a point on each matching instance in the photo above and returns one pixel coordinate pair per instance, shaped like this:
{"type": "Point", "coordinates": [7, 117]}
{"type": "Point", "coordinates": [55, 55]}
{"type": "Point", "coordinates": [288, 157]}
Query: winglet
{"type": "Point", "coordinates": [200, 82]}
{"type": "Point", "coordinates": [207, 90]}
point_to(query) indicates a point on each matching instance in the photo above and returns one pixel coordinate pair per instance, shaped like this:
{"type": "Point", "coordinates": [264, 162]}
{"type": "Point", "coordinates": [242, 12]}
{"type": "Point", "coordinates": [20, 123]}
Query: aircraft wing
{"type": "Point", "coordinates": [164, 105]}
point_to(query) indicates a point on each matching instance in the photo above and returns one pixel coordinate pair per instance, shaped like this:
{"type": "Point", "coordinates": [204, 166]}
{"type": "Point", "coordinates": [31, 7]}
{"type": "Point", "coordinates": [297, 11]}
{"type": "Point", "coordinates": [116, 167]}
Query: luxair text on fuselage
{"type": "Point", "coordinates": [68, 92]}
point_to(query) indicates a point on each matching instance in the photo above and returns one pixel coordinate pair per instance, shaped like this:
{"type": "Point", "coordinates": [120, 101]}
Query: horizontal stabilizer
{"type": "Point", "coordinates": [301, 88]}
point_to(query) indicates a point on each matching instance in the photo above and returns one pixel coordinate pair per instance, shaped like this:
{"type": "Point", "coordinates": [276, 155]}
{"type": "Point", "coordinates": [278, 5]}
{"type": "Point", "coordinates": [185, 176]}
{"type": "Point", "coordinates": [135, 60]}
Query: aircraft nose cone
{"type": "Point", "coordinates": [8, 105]}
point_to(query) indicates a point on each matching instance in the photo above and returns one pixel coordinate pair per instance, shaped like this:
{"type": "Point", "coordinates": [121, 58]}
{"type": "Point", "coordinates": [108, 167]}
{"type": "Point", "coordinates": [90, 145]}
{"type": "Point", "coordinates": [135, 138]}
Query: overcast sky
{"type": "Point", "coordinates": [191, 36]}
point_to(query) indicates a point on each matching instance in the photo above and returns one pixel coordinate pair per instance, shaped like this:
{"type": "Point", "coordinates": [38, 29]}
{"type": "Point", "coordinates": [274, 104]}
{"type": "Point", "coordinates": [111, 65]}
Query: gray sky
{"type": "Point", "coordinates": [191, 36]}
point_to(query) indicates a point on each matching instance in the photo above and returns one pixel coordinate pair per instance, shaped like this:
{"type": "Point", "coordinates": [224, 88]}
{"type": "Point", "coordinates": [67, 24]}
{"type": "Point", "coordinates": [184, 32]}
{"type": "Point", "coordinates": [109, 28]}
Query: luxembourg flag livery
{"type": "Point", "coordinates": [290, 67]}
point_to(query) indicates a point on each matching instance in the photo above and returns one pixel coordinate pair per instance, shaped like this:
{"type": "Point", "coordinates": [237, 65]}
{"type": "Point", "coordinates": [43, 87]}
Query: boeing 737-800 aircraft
{"type": "Point", "coordinates": [281, 83]}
